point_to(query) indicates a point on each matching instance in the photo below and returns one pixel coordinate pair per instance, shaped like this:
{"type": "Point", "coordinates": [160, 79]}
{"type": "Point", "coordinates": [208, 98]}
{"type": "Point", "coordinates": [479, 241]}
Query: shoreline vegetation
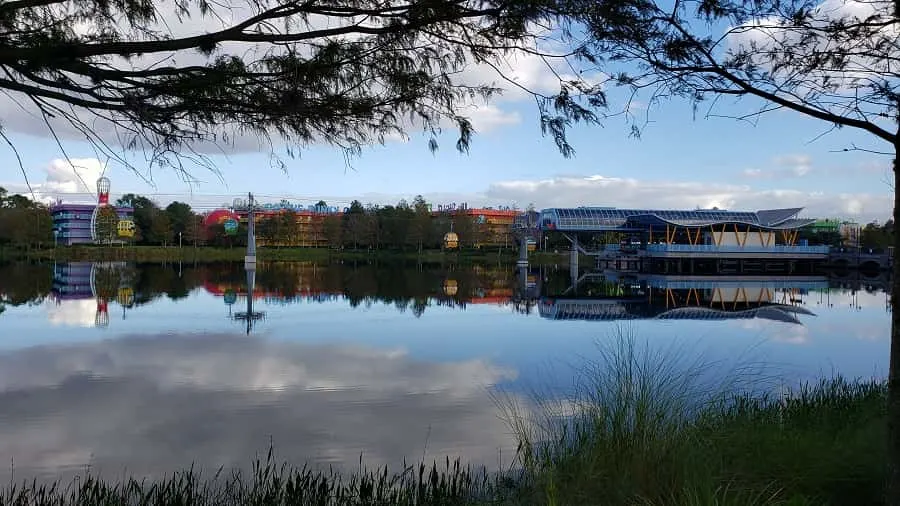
{"type": "Point", "coordinates": [208, 254]}
{"type": "Point", "coordinates": [639, 431]}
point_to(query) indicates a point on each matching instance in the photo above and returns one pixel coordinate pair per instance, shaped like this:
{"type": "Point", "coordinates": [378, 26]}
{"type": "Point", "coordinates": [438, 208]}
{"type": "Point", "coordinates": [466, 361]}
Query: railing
{"type": "Point", "coordinates": [712, 248]}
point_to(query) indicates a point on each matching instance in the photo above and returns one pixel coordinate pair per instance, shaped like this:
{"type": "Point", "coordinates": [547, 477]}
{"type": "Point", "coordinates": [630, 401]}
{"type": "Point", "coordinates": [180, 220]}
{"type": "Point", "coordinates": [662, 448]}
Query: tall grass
{"type": "Point", "coordinates": [649, 428]}
{"type": "Point", "coordinates": [643, 428]}
{"type": "Point", "coordinates": [269, 483]}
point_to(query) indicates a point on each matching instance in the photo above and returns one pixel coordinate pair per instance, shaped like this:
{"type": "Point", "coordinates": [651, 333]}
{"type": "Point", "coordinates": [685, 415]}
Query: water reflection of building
{"type": "Point", "coordinates": [102, 281]}
{"type": "Point", "coordinates": [684, 298]}
{"type": "Point", "coordinates": [72, 280]}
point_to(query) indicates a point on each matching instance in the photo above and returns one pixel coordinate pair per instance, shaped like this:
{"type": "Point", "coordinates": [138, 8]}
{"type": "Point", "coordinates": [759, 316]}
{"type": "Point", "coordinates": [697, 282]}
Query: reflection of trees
{"type": "Point", "coordinates": [406, 287]}
{"type": "Point", "coordinates": [152, 281]}
{"type": "Point", "coordinates": [24, 283]}
{"type": "Point", "coordinates": [107, 281]}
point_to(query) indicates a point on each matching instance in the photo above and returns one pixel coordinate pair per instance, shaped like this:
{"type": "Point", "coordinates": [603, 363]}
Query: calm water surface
{"type": "Point", "coordinates": [145, 369]}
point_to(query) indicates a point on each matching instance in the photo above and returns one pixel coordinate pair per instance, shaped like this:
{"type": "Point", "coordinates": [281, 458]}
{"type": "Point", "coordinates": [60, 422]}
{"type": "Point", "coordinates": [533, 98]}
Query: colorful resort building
{"type": "Point", "coordinates": [74, 223]}
{"type": "Point", "coordinates": [495, 224]}
{"type": "Point", "coordinates": [309, 231]}
{"type": "Point", "coordinates": [79, 224]}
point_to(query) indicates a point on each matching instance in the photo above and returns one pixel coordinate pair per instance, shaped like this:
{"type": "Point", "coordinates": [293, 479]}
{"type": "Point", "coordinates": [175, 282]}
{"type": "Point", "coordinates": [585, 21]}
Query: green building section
{"type": "Point", "coordinates": [826, 225]}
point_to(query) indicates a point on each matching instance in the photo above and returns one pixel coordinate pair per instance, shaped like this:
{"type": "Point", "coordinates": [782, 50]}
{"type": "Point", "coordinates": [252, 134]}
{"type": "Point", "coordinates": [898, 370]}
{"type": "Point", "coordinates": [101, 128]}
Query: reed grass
{"type": "Point", "coordinates": [646, 428]}
{"type": "Point", "coordinates": [269, 483]}
{"type": "Point", "coordinates": [642, 428]}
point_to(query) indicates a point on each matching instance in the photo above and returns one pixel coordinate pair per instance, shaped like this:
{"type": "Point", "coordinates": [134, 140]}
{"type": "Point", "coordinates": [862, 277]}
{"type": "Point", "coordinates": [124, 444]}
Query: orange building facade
{"type": "Point", "coordinates": [309, 227]}
{"type": "Point", "coordinates": [495, 225]}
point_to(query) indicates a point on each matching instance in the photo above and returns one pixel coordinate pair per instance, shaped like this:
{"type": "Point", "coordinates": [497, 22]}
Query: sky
{"type": "Point", "coordinates": [680, 161]}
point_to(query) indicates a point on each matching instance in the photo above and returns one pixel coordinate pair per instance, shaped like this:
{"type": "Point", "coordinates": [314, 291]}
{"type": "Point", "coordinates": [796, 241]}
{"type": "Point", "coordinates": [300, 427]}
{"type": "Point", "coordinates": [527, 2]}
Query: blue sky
{"type": "Point", "coordinates": [679, 162]}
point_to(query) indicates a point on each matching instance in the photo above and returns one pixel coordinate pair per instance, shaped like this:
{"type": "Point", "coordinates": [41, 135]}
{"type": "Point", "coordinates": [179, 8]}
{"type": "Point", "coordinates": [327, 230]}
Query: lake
{"type": "Point", "coordinates": [146, 369]}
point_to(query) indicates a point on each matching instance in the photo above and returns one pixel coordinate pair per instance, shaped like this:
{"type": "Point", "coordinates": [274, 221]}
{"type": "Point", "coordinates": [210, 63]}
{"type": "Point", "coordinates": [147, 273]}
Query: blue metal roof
{"type": "Point", "coordinates": [601, 219]}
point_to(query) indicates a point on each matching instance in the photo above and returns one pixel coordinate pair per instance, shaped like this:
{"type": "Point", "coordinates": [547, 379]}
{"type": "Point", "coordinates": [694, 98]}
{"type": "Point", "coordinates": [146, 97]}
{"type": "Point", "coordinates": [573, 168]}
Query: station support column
{"type": "Point", "coordinates": [573, 259]}
{"type": "Point", "coordinates": [523, 249]}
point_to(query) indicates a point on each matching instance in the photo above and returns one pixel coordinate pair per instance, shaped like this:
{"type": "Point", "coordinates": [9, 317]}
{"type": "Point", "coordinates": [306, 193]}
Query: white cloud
{"type": "Point", "coordinates": [77, 175]}
{"type": "Point", "coordinates": [782, 167]}
{"type": "Point", "coordinates": [599, 190]}
{"type": "Point", "coordinates": [764, 37]}
{"type": "Point", "coordinates": [75, 313]}
{"type": "Point", "coordinates": [73, 180]}
{"type": "Point", "coordinates": [67, 181]}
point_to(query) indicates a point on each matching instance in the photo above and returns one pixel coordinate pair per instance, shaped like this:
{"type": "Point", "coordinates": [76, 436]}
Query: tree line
{"type": "Point", "coordinates": [26, 224]}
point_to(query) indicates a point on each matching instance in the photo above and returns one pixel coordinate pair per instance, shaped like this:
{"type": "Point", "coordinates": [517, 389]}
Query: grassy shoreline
{"type": "Point", "coordinates": [639, 432]}
{"type": "Point", "coordinates": [190, 254]}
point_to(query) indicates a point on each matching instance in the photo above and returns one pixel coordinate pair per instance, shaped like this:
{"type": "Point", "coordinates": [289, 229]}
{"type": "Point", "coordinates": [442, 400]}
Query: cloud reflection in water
{"type": "Point", "coordinates": [150, 405]}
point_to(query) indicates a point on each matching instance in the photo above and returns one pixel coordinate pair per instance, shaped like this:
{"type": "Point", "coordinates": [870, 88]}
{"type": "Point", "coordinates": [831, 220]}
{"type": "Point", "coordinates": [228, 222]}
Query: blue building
{"type": "Point", "coordinates": [72, 222]}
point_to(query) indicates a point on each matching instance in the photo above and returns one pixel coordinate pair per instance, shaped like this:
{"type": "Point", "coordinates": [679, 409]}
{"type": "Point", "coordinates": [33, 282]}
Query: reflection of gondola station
{"type": "Point", "coordinates": [684, 298]}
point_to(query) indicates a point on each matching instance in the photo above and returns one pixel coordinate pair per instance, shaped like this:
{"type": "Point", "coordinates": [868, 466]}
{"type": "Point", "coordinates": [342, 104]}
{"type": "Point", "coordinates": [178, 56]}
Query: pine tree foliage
{"type": "Point", "coordinates": [163, 76]}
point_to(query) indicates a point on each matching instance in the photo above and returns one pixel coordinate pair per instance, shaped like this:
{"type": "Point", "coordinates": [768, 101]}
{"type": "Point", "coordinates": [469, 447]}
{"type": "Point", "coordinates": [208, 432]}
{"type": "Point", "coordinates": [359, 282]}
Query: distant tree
{"type": "Point", "coordinates": [287, 228]}
{"type": "Point", "coordinates": [146, 213]}
{"type": "Point", "coordinates": [193, 233]}
{"type": "Point", "coordinates": [267, 231]}
{"type": "Point", "coordinates": [404, 232]}
{"type": "Point", "coordinates": [875, 235]}
{"type": "Point", "coordinates": [354, 225]}
{"type": "Point", "coordinates": [466, 229]}
{"type": "Point", "coordinates": [333, 229]}
{"type": "Point", "coordinates": [321, 204]}
{"type": "Point", "coordinates": [370, 229]}
{"type": "Point", "coordinates": [180, 216]}
{"type": "Point", "coordinates": [420, 230]}
{"type": "Point", "coordinates": [25, 223]}
{"type": "Point", "coordinates": [160, 231]}
{"type": "Point", "coordinates": [17, 201]}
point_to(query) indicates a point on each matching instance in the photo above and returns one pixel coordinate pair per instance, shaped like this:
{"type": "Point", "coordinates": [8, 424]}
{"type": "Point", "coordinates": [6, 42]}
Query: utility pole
{"type": "Point", "coordinates": [250, 315]}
